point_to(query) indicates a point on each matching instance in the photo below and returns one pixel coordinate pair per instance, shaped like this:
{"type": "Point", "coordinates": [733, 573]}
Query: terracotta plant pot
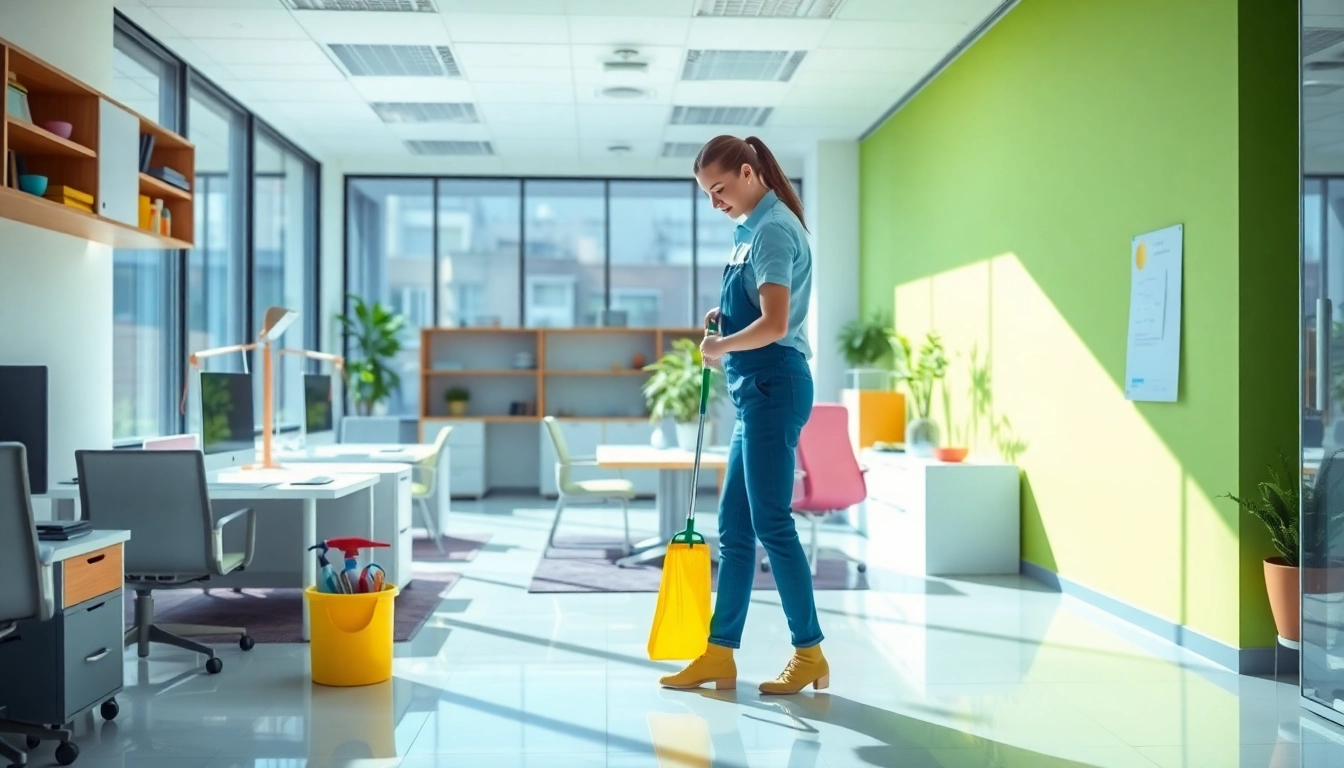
{"type": "Point", "coordinates": [950, 455]}
{"type": "Point", "coordinates": [1281, 583]}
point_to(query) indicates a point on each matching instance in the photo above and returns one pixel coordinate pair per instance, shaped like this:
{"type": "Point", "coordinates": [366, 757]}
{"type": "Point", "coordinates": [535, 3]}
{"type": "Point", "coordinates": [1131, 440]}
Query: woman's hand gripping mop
{"type": "Point", "coordinates": [681, 620]}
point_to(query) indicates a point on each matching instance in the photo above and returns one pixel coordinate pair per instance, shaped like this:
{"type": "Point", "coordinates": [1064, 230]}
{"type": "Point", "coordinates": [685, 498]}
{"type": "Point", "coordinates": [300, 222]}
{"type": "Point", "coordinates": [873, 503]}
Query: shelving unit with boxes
{"type": "Point", "coordinates": [87, 148]}
{"type": "Point", "coordinates": [592, 379]}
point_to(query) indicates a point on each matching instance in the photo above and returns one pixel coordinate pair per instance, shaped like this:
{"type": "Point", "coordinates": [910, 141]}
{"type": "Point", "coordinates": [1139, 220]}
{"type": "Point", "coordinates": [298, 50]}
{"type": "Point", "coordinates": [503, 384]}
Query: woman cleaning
{"type": "Point", "coordinates": [761, 345]}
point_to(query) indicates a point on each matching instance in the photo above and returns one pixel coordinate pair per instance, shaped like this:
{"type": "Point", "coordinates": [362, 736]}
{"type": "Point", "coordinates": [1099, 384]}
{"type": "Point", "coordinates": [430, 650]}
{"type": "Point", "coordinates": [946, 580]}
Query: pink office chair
{"type": "Point", "coordinates": [832, 480]}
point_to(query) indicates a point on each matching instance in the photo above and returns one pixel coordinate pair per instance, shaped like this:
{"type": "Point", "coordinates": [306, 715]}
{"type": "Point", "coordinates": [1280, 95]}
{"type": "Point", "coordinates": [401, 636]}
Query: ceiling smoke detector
{"type": "Point", "coordinates": [625, 63]}
{"type": "Point", "coordinates": [623, 92]}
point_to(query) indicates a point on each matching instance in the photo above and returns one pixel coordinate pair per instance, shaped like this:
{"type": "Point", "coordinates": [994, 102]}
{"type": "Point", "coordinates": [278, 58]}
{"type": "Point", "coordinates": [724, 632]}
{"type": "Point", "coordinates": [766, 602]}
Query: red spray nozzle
{"type": "Point", "coordinates": [350, 545]}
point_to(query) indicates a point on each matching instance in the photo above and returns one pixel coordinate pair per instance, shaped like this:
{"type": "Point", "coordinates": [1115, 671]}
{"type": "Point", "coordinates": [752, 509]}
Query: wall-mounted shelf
{"type": "Point", "coordinates": [101, 159]}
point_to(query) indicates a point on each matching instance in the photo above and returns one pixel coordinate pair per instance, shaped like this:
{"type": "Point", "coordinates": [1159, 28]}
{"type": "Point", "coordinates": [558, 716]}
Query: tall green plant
{"type": "Point", "coordinates": [674, 388]}
{"type": "Point", "coordinates": [1279, 508]}
{"type": "Point", "coordinates": [925, 372]}
{"type": "Point", "coordinates": [868, 343]}
{"type": "Point", "coordinates": [373, 337]}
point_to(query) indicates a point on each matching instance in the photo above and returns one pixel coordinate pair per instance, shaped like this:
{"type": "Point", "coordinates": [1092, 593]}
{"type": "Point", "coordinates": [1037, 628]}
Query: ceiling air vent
{"type": "Point", "coordinates": [754, 116]}
{"type": "Point", "coordinates": [681, 149]}
{"type": "Point", "coordinates": [775, 9]}
{"type": "Point", "coordinates": [425, 112]}
{"type": "Point", "coordinates": [396, 60]}
{"type": "Point", "coordinates": [741, 65]}
{"type": "Point", "coordinates": [421, 147]}
{"type": "Point", "coordinates": [399, 6]}
{"type": "Point", "coordinates": [1315, 40]}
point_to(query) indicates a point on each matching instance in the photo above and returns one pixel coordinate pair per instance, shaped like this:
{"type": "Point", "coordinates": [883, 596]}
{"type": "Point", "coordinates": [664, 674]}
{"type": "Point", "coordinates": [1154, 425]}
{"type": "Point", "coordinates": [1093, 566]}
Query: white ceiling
{"type": "Point", "coordinates": [533, 70]}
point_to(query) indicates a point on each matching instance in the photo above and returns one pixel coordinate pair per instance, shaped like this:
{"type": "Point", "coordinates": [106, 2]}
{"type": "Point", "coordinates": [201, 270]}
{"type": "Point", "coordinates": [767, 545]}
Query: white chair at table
{"type": "Point", "coordinates": [424, 481]}
{"type": "Point", "coordinates": [584, 491]}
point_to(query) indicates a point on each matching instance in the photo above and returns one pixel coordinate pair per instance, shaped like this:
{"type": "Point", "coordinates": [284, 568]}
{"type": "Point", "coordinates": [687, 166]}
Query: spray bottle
{"type": "Point", "coordinates": [350, 546]}
{"type": "Point", "coordinates": [326, 577]}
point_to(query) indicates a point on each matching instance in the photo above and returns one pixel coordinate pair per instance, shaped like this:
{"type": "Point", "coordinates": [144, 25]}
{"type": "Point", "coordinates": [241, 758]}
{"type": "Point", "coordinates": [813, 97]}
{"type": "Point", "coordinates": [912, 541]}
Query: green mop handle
{"type": "Point", "coordinates": [689, 536]}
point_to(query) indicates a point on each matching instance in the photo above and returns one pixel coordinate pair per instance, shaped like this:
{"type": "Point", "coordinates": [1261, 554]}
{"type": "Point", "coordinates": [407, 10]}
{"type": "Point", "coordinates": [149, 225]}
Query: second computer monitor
{"type": "Point", "coordinates": [317, 408]}
{"type": "Point", "coordinates": [228, 419]}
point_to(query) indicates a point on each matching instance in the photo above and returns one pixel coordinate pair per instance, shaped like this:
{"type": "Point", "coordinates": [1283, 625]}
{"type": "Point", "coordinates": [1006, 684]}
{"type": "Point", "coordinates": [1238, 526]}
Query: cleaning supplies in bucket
{"type": "Point", "coordinates": [351, 579]}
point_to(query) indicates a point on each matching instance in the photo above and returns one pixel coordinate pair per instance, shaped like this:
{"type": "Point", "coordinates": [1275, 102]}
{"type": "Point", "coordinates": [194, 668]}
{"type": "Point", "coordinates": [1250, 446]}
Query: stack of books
{"type": "Point", "coordinates": [170, 176]}
{"type": "Point", "coordinates": [71, 197]}
{"type": "Point", "coordinates": [63, 530]}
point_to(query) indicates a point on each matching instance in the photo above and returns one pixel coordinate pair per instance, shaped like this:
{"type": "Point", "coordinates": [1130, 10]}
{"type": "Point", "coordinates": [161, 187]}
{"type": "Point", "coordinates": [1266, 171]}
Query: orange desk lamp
{"type": "Point", "coordinates": [276, 321]}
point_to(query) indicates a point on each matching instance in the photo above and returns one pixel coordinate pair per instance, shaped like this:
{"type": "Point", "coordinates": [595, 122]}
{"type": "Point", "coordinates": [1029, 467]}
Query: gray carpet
{"type": "Point", "coordinates": [458, 549]}
{"type": "Point", "coordinates": [570, 568]}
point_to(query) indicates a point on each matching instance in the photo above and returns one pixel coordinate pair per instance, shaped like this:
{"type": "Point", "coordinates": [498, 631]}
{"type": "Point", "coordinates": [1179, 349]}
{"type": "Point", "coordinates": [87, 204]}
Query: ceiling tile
{"type": "Point", "coordinates": [931, 11]}
{"type": "Point", "coordinates": [718, 94]}
{"type": "Point", "coordinates": [533, 75]}
{"type": "Point", "coordinates": [239, 4]}
{"type": "Point", "coordinates": [591, 93]}
{"type": "Point", "coordinates": [413, 89]}
{"type": "Point", "coordinates": [735, 34]}
{"type": "Point", "coordinates": [449, 7]}
{"type": "Point", "coordinates": [852, 97]}
{"type": "Point", "coordinates": [523, 93]}
{"type": "Point", "coordinates": [612, 31]}
{"type": "Point", "coordinates": [303, 91]}
{"type": "Point", "coordinates": [666, 8]}
{"type": "Point", "coordinates": [305, 72]}
{"type": "Point", "coordinates": [373, 27]}
{"type": "Point", "coordinates": [642, 116]}
{"type": "Point", "coordinates": [256, 24]}
{"type": "Point", "coordinates": [503, 28]}
{"type": "Point", "coordinates": [643, 147]}
{"type": "Point", "coordinates": [151, 22]}
{"type": "Point", "coordinates": [661, 58]}
{"type": "Point", "coordinates": [442, 131]}
{"type": "Point", "coordinates": [535, 147]}
{"type": "Point", "coordinates": [276, 52]}
{"type": "Point", "coordinates": [510, 55]}
{"type": "Point", "coordinates": [332, 114]}
{"type": "Point", "coordinates": [873, 61]}
{"type": "Point", "coordinates": [806, 117]}
{"type": "Point", "coordinates": [528, 120]}
{"type": "Point", "coordinates": [890, 34]}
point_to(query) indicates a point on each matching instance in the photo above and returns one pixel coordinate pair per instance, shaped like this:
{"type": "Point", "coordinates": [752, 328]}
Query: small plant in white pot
{"type": "Point", "coordinates": [673, 391]}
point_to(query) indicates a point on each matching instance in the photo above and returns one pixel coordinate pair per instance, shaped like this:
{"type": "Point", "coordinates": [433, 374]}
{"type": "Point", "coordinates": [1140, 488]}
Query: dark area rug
{"type": "Point", "coordinates": [571, 568]}
{"type": "Point", "coordinates": [276, 615]}
{"type": "Point", "coordinates": [456, 549]}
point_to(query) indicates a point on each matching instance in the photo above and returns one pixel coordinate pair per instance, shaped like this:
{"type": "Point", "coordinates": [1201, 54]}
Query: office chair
{"type": "Point", "coordinates": [161, 497]}
{"type": "Point", "coordinates": [29, 593]}
{"type": "Point", "coordinates": [832, 480]}
{"type": "Point", "coordinates": [425, 480]}
{"type": "Point", "coordinates": [571, 490]}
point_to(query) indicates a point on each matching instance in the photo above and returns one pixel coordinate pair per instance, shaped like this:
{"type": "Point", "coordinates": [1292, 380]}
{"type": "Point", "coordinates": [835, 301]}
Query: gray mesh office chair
{"type": "Point", "coordinates": [28, 593]}
{"type": "Point", "coordinates": [161, 497]}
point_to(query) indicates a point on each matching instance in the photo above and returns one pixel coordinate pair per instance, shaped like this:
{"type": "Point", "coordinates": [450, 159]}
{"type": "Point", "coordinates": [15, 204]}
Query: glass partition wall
{"type": "Point", "coordinates": [1322, 355]}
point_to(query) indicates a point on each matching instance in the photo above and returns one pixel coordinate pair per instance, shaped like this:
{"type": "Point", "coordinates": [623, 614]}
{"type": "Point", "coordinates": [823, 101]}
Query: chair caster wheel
{"type": "Point", "coordinates": [863, 567]}
{"type": "Point", "coordinates": [765, 567]}
{"type": "Point", "coordinates": [214, 666]}
{"type": "Point", "coordinates": [67, 753]}
{"type": "Point", "coordinates": [110, 709]}
{"type": "Point", "coordinates": [246, 642]}
{"type": "Point", "coordinates": [33, 742]}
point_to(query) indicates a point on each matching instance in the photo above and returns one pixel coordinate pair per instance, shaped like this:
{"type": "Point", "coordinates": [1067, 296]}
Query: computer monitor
{"type": "Point", "coordinates": [172, 443]}
{"type": "Point", "coordinates": [23, 417]}
{"type": "Point", "coordinates": [317, 409]}
{"type": "Point", "coordinates": [228, 420]}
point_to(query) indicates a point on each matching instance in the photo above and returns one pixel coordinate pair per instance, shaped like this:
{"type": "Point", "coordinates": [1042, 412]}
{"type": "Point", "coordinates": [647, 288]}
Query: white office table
{"type": "Point", "coordinates": [396, 453]}
{"type": "Point", "coordinates": [270, 485]}
{"type": "Point", "coordinates": [56, 551]}
{"type": "Point", "coordinates": [674, 488]}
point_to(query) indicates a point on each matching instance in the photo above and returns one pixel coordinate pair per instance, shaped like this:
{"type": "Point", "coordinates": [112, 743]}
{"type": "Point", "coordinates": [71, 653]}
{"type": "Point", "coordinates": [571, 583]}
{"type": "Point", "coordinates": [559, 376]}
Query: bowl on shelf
{"type": "Point", "coordinates": [33, 184]}
{"type": "Point", "coordinates": [950, 455]}
{"type": "Point", "coordinates": [59, 127]}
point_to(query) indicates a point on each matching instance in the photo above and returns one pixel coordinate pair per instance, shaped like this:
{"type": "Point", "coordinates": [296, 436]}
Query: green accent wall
{"type": "Point", "coordinates": [1009, 190]}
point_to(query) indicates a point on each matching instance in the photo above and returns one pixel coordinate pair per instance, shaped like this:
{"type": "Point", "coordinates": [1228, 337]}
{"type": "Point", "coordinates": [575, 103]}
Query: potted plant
{"type": "Point", "coordinates": [457, 399]}
{"type": "Point", "coordinates": [373, 338]}
{"type": "Point", "coordinates": [1278, 507]}
{"type": "Point", "coordinates": [873, 351]}
{"type": "Point", "coordinates": [921, 434]}
{"type": "Point", "coordinates": [673, 391]}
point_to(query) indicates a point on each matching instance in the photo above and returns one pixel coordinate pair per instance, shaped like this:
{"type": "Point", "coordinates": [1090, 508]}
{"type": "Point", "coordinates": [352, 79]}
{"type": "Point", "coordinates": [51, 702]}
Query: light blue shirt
{"type": "Point", "coordinates": [774, 247]}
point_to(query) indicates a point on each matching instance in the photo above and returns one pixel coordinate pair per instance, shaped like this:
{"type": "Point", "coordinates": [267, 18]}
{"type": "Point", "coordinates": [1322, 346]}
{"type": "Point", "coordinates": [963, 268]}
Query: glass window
{"type": "Point", "coordinates": [479, 240]}
{"type": "Point", "coordinates": [651, 252]}
{"type": "Point", "coordinates": [146, 360]}
{"type": "Point", "coordinates": [284, 258]}
{"type": "Point", "coordinates": [216, 267]}
{"type": "Point", "coordinates": [713, 246]}
{"type": "Point", "coordinates": [565, 252]}
{"type": "Point", "coordinates": [390, 246]}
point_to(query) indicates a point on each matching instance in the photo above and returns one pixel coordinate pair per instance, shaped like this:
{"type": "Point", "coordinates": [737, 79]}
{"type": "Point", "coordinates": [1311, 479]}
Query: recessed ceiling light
{"type": "Point", "coordinates": [619, 149]}
{"type": "Point", "coordinates": [624, 92]}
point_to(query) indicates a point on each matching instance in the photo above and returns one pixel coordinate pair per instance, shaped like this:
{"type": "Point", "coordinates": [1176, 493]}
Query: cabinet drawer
{"type": "Point", "coordinates": [93, 640]}
{"type": "Point", "coordinates": [88, 576]}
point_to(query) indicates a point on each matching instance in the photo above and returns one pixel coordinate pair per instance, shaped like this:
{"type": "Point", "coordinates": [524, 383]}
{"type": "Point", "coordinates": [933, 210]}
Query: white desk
{"type": "Point", "coordinates": [375, 453]}
{"type": "Point", "coordinates": [258, 487]}
{"type": "Point", "coordinates": [674, 487]}
{"type": "Point", "coordinates": [59, 551]}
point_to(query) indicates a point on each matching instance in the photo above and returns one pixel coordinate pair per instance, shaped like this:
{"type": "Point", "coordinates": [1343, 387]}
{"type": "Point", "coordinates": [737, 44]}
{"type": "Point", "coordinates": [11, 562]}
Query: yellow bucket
{"type": "Point", "coordinates": [351, 636]}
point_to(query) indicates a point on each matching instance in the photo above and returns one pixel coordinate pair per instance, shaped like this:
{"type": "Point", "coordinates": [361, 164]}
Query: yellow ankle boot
{"type": "Point", "coordinates": [807, 667]}
{"type": "Point", "coordinates": [715, 666]}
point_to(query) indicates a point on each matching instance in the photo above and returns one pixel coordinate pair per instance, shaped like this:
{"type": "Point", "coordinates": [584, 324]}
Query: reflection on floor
{"type": "Point", "coordinates": [948, 673]}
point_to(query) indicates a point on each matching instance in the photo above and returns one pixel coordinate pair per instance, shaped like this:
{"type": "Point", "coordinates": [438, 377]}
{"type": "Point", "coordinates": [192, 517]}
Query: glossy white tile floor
{"type": "Point", "coordinates": [949, 673]}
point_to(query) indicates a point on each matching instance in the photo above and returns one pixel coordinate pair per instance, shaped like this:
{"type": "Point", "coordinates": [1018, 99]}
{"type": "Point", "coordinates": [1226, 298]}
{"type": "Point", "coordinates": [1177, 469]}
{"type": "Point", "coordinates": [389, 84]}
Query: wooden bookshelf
{"type": "Point", "coordinates": [580, 374]}
{"type": "Point", "coordinates": [99, 159]}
